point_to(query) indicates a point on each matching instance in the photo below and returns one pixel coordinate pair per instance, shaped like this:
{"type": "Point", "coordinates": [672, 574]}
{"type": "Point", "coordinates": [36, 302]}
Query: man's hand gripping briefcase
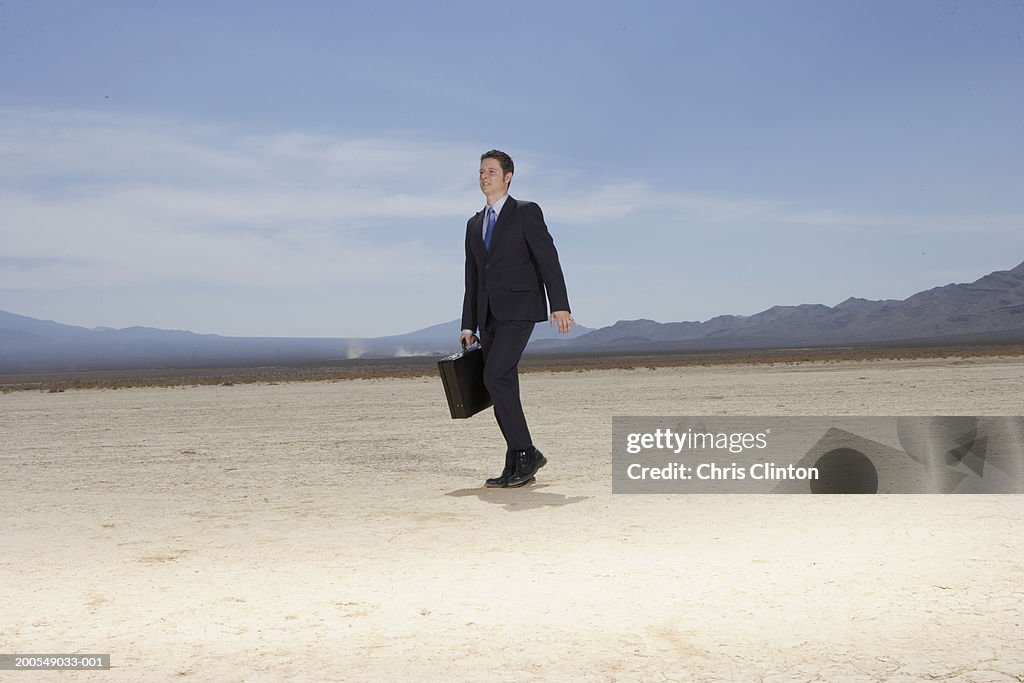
{"type": "Point", "coordinates": [463, 377]}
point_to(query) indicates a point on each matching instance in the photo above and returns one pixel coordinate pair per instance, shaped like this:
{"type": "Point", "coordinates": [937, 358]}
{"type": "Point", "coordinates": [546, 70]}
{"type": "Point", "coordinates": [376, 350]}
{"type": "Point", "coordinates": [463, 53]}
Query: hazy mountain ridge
{"type": "Point", "coordinates": [31, 345]}
{"type": "Point", "coordinates": [991, 305]}
{"type": "Point", "coordinates": [988, 310]}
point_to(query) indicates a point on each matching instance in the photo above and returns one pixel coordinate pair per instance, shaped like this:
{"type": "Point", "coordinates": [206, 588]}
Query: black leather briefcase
{"type": "Point", "coordinates": [463, 377]}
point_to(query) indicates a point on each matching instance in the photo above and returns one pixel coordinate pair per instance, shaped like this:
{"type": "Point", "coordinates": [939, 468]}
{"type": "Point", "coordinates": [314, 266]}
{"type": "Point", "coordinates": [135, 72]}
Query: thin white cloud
{"type": "Point", "coordinates": [110, 201]}
{"type": "Point", "coordinates": [141, 241]}
{"type": "Point", "coordinates": [614, 203]}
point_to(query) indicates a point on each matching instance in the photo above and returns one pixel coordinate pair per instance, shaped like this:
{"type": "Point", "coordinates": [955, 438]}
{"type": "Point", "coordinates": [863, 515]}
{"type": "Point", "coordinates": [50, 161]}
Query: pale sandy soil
{"type": "Point", "coordinates": [339, 531]}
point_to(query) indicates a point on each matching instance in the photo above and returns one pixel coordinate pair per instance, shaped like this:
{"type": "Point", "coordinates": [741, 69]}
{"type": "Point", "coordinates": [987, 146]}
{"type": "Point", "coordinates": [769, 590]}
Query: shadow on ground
{"type": "Point", "coordinates": [529, 497]}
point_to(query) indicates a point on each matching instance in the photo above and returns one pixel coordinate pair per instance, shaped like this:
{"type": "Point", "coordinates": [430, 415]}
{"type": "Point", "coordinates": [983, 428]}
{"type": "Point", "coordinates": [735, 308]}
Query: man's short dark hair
{"type": "Point", "coordinates": [504, 160]}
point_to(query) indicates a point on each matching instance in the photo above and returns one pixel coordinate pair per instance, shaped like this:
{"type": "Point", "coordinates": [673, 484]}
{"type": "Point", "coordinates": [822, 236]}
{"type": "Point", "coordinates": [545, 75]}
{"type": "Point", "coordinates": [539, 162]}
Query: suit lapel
{"type": "Point", "coordinates": [477, 236]}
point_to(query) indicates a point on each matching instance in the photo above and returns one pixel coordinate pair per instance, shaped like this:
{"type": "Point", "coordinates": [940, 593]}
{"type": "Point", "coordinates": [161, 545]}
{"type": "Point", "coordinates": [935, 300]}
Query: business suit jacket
{"type": "Point", "coordinates": [511, 277]}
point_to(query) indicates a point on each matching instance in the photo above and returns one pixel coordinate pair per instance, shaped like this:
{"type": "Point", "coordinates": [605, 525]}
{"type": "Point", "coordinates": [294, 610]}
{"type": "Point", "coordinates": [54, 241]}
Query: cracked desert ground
{"type": "Point", "coordinates": [334, 531]}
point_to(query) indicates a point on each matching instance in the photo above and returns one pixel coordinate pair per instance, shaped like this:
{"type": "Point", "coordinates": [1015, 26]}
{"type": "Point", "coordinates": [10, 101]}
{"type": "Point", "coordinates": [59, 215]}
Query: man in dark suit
{"type": "Point", "coordinates": [510, 260]}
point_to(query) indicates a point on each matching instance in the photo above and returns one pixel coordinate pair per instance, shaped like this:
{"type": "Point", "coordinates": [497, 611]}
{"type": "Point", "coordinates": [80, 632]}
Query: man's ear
{"type": "Point", "coordinates": [508, 179]}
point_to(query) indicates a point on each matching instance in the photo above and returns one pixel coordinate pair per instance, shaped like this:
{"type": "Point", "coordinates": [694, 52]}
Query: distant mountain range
{"type": "Point", "coordinates": [31, 345]}
{"type": "Point", "coordinates": [989, 310]}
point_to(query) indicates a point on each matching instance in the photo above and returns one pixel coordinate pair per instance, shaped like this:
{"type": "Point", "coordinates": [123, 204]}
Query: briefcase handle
{"type": "Point", "coordinates": [476, 343]}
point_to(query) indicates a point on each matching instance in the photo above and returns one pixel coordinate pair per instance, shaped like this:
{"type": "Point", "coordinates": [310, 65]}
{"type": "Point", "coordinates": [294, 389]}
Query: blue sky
{"type": "Point", "coordinates": [306, 169]}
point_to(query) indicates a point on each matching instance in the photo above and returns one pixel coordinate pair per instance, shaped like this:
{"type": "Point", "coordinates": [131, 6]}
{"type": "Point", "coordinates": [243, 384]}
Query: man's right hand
{"type": "Point", "coordinates": [467, 339]}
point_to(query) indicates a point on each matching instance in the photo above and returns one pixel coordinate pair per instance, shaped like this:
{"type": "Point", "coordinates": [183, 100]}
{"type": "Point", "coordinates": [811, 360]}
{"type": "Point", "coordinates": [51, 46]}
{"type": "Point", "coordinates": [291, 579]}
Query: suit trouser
{"type": "Point", "coordinates": [502, 343]}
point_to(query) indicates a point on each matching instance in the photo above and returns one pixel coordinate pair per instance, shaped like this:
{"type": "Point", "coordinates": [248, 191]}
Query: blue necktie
{"type": "Point", "coordinates": [490, 228]}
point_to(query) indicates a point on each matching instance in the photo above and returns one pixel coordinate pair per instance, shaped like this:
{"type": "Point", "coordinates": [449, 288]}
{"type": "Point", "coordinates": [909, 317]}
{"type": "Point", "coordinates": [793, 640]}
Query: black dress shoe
{"type": "Point", "coordinates": [527, 464]}
{"type": "Point", "coordinates": [501, 482]}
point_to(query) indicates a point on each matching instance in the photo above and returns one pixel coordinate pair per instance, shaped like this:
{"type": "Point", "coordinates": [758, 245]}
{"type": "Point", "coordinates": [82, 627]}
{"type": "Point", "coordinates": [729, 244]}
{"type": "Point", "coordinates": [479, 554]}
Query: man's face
{"type": "Point", "coordinates": [492, 181]}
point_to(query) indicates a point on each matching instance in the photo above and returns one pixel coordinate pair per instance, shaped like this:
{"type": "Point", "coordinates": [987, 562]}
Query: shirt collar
{"type": "Point", "coordinates": [497, 206]}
